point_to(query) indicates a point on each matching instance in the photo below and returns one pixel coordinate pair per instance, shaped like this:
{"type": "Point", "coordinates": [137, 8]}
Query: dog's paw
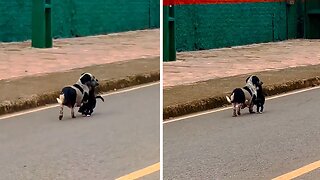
{"type": "Point", "coordinates": [60, 117]}
{"type": "Point", "coordinates": [88, 115]}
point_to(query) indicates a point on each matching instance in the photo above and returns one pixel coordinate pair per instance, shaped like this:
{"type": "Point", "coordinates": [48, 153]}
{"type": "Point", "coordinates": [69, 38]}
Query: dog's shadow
{"type": "Point", "coordinates": [247, 114]}
{"type": "Point", "coordinates": [94, 115]}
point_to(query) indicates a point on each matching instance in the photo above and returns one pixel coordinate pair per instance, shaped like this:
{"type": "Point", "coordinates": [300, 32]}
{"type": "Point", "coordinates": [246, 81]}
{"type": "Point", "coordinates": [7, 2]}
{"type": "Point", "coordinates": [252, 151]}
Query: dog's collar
{"type": "Point", "coordinates": [79, 87]}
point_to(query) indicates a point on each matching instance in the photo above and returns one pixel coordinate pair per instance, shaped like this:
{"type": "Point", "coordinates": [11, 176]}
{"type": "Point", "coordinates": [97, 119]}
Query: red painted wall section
{"type": "Point", "coordinates": [185, 2]}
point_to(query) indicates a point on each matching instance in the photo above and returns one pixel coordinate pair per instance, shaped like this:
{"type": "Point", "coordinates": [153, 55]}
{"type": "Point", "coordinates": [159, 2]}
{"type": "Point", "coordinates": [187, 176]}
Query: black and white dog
{"type": "Point", "coordinates": [73, 96]}
{"type": "Point", "coordinates": [260, 100]}
{"type": "Point", "coordinates": [87, 107]}
{"type": "Point", "coordinates": [244, 97]}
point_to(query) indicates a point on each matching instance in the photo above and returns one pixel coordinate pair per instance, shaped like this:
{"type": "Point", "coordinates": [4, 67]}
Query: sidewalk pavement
{"type": "Point", "coordinates": [199, 80]}
{"type": "Point", "coordinates": [196, 66]}
{"type": "Point", "coordinates": [34, 77]}
{"type": "Point", "coordinates": [19, 59]}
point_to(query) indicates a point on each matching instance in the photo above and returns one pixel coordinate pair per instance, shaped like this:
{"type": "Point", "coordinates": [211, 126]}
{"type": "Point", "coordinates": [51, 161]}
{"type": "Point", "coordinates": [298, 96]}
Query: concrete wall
{"type": "Point", "coordinates": [80, 17]}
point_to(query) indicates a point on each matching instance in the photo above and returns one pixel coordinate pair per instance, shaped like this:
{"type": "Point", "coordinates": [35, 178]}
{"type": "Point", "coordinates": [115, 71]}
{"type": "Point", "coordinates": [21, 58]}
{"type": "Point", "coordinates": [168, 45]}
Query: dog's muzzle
{"type": "Point", "coordinates": [94, 83]}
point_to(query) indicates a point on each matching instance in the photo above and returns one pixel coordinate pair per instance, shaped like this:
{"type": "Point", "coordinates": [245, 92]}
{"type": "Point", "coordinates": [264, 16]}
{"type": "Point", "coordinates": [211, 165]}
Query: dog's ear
{"type": "Point", "coordinates": [82, 73]}
{"type": "Point", "coordinates": [255, 80]}
{"type": "Point", "coordinates": [247, 78]}
{"type": "Point", "coordinates": [85, 78]}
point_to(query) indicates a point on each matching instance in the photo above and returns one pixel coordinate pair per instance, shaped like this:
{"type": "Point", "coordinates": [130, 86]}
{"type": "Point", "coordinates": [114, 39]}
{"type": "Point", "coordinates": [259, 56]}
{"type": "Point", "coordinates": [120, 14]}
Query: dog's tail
{"type": "Point", "coordinates": [60, 99]}
{"type": "Point", "coordinates": [230, 99]}
{"type": "Point", "coordinates": [100, 97]}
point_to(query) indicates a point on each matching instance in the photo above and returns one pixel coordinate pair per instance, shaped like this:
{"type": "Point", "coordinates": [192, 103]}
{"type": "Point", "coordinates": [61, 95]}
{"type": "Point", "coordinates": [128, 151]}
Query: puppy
{"type": "Point", "coordinates": [87, 108]}
{"type": "Point", "coordinates": [73, 96]}
{"type": "Point", "coordinates": [259, 102]}
{"type": "Point", "coordinates": [244, 97]}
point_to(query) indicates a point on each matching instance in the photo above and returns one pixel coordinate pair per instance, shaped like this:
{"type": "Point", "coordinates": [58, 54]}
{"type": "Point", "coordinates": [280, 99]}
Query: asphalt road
{"type": "Point", "coordinates": [254, 146]}
{"type": "Point", "coordinates": [122, 136]}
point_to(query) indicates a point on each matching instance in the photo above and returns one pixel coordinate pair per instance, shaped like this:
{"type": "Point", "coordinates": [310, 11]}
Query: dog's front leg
{"type": "Point", "coordinates": [261, 110]}
{"type": "Point", "coordinates": [72, 112]}
{"type": "Point", "coordinates": [258, 107]}
{"type": "Point", "coordinates": [61, 112]}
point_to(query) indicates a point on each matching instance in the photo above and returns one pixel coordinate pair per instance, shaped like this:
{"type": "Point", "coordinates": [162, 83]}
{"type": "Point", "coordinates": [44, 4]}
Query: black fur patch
{"type": "Point", "coordinates": [85, 79]}
{"type": "Point", "coordinates": [70, 96]}
{"type": "Point", "coordinates": [238, 96]}
{"type": "Point", "coordinates": [246, 88]}
{"type": "Point", "coordinates": [79, 87]}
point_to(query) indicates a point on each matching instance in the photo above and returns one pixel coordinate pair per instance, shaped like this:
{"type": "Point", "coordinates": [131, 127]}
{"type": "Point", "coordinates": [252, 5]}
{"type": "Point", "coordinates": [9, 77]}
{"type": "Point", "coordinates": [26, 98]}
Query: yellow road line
{"type": "Point", "coordinates": [300, 171]}
{"type": "Point", "coordinates": [142, 172]}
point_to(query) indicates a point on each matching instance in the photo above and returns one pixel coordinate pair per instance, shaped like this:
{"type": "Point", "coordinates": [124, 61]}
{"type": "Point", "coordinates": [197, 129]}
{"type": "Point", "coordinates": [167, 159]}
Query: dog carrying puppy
{"type": "Point", "coordinates": [244, 97]}
{"type": "Point", "coordinates": [73, 96]}
{"type": "Point", "coordinates": [87, 107]}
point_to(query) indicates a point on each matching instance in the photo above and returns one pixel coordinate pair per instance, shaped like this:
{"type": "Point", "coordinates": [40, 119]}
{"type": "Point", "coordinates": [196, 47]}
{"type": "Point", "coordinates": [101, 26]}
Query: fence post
{"type": "Point", "coordinates": [169, 42]}
{"type": "Point", "coordinates": [41, 24]}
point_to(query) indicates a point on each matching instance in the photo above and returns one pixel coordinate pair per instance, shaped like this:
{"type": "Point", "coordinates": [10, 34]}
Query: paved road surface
{"type": "Point", "coordinates": [257, 146]}
{"type": "Point", "coordinates": [122, 136]}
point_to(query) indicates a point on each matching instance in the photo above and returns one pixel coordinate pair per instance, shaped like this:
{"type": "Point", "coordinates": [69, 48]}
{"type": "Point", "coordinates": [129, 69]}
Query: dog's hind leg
{"type": "Point", "coordinates": [238, 106]}
{"type": "Point", "coordinates": [60, 101]}
{"type": "Point", "coordinates": [72, 112]}
{"type": "Point", "coordinates": [61, 112]}
{"type": "Point", "coordinates": [234, 110]}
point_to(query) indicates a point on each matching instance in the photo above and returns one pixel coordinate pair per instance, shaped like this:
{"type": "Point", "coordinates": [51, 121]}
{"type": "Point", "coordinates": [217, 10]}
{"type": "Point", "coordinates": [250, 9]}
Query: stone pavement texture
{"type": "Point", "coordinates": [196, 66]}
{"type": "Point", "coordinates": [19, 59]}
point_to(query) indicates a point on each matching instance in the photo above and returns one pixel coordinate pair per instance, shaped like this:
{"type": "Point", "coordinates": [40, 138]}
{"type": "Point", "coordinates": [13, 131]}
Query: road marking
{"type": "Point", "coordinates": [299, 172]}
{"type": "Point", "coordinates": [142, 172]}
{"type": "Point", "coordinates": [56, 105]}
{"type": "Point", "coordinates": [229, 107]}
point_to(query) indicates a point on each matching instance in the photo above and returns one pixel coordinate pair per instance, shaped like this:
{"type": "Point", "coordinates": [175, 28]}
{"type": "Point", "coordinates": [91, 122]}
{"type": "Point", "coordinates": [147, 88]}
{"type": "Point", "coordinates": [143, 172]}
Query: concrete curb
{"type": "Point", "coordinates": [50, 97]}
{"type": "Point", "coordinates": [220, 100]}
